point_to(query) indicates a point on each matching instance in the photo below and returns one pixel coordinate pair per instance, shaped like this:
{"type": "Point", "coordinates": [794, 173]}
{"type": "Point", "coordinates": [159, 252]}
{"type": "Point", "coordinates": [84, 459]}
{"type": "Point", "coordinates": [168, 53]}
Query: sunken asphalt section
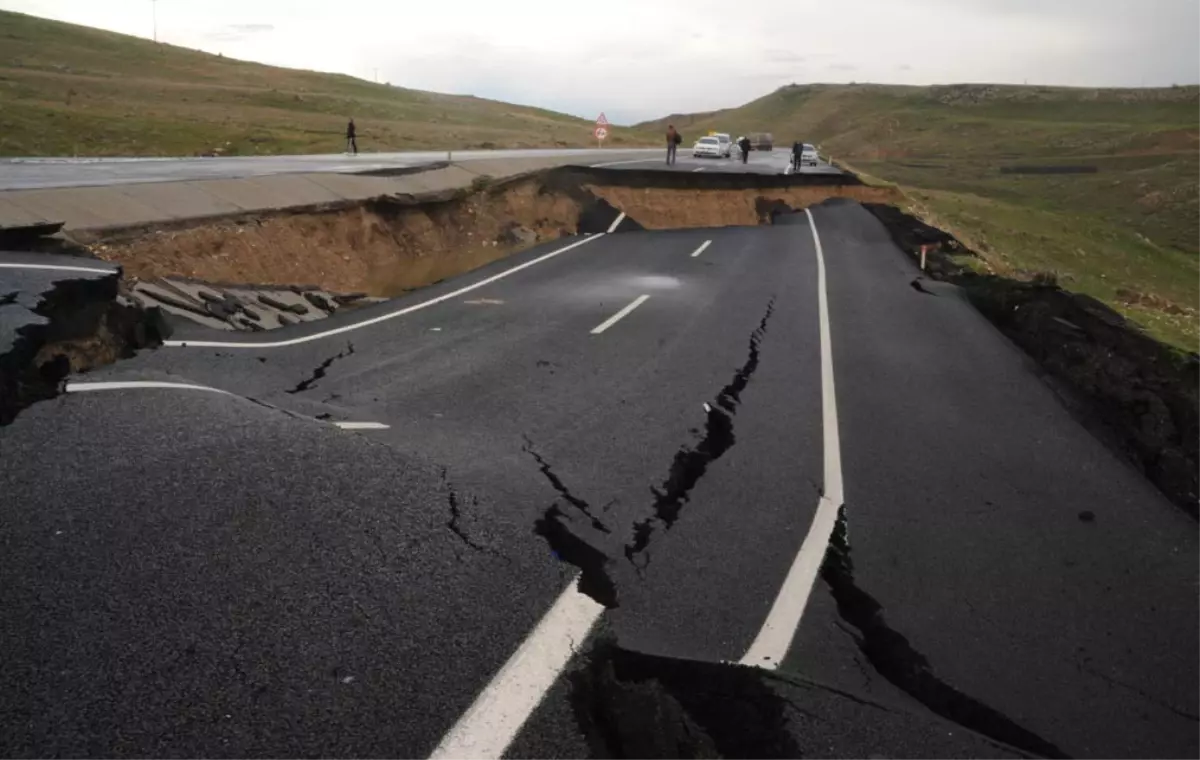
{"type": "Point", "coordinates": [196, 573]}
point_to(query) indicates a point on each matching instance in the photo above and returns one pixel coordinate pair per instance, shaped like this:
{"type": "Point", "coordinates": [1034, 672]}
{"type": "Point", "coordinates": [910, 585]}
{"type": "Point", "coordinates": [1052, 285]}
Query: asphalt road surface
{"type": "Point", "coordinates": [687, 418]}
{"type": "Point", "coordinates": [34, 173]}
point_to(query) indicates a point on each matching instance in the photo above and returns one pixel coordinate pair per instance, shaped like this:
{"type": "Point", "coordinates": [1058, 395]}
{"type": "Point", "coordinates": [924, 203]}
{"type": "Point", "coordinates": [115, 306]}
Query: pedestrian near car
{"type": "Point", "coordinates": [673, 140]}
{"type": "Point", "coordinates": [744, 144]}
{"type": "Point", "coordinates": [351, 138]}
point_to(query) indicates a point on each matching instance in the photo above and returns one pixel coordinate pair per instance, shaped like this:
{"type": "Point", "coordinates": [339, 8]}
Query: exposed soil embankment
{"type": "Point", "coordinates": [1138, 395]}
{"type": "Point", "coordinates": [668, 208]}
{"type": "Point", "coordinates": [392, 244]}
{"type": "Point", "coordinates": [382, 247]}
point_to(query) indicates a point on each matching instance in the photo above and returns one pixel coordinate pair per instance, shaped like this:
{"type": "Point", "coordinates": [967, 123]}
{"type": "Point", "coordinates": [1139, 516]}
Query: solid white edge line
{"type": "Point", "coordinates": [499, 711]}
{"type": "Point", "coordinates": [59, 268]}
{"type": "Point", "coordinates": [83, 387]}
{"type": "Point", "coordinates": [619, 315]}
{"type": "Point", "coordinates": [775, 638]}
{"type": "Point", "coordinates": [620, 218]}
{"type": "Point", "coordinates": [701, 249]}
{"type": "Point", "coordinates": [382, 317]}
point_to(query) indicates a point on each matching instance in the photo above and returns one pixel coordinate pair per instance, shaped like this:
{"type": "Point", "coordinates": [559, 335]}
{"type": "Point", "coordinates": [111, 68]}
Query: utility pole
{"type": "Point", "coordinates": [154, 14]}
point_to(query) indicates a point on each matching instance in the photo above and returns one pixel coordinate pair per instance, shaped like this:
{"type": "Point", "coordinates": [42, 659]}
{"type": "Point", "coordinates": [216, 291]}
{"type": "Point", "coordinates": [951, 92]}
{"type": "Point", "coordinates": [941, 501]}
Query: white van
{"type": "Point", "coordinates": [726, 144]}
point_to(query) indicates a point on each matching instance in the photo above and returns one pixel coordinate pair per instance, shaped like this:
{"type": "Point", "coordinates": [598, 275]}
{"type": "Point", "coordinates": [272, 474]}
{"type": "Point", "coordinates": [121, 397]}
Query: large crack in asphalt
{"type": "Point", "coordinates": [630, 704]}
{"type": "Point", "coordinates": [557, 484]}
{"type": "Point", "coordinates": [894, 658]}
{"type": "Point", "coordinates": [69, 324]}
{"type": "Point", "coordinates": [555, 526]}
{"type": "Point", "coordinates": [691, 462]}
{"type": "Point", "coordinates": [688, 467]}
{"type": "Point", "coordinates": [321, 369]}
{"type": "Point", "coordinates": [454, 522]}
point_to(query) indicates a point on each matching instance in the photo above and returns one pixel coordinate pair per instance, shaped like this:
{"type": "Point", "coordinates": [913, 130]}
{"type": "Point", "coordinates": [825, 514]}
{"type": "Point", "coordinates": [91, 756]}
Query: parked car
{"type": "Point", "coordinates": [726, 143]}
{"type": "Point", "coordinates": [808, 155]}
{"type": "Point", "coordinates": [707, 146]}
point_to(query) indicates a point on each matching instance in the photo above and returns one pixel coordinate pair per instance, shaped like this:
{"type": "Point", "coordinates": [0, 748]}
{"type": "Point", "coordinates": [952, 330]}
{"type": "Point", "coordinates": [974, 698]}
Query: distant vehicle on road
{"type": "Point", "coordinates": [726, 144]}
{"type": "Point", "coordinates": [707, 146]}
{"type": "Point", "coordinates": [808, 155]}
{"type": "Point", "coordinates": [762, 141]}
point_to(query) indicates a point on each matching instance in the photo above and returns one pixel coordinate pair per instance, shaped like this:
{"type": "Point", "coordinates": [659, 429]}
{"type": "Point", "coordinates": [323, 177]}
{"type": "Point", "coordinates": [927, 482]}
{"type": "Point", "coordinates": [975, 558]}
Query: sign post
{"type": "Point", "coordinates": [601, 131]}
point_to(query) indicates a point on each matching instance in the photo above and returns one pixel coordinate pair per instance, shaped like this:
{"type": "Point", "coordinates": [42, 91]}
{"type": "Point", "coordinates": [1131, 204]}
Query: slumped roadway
{"type": "Point", "coordinates": [198, 573]}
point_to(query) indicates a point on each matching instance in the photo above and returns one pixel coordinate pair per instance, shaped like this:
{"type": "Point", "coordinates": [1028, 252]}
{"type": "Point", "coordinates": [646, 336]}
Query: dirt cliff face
{"type": "Point", "coordinates": [389, 245]}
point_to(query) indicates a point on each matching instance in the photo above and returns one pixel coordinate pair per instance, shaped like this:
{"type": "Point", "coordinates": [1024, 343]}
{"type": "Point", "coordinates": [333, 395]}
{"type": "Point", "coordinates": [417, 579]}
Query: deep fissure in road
{"type": "Point", "coordinates": [688, 467]}
{"type": "Point", "coordinates": [557, 484]}
{"type": "Point", "coordinates": [71, 324]}
{"type": "Point", "coordinates": [691, 462]}
{"type": "Point", "coordinates": [555, 526]}
{"type": "Point", "coordinates": [890, 653]}
{"type": "Point", "coordinates": [320, 371]}
{"type": "Point", "coordinates": [631, 705]}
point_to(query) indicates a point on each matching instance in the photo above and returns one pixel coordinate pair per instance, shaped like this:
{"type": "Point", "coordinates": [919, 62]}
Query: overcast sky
{"type": "Point", "coordinates": [641, 59]}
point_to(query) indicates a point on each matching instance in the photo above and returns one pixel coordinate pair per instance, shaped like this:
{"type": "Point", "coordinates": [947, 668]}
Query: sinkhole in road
{"type": "Point", "coordinates": [391, 245]}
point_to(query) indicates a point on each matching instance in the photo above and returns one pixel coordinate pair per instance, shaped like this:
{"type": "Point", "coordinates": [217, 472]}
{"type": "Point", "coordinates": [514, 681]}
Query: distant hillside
{"type": "Point", "coordinates": [963, 121]}
{"type": "Point", "coordinates": [1126, 233]}
{"type": "Point", "coordinates": [73, 90]}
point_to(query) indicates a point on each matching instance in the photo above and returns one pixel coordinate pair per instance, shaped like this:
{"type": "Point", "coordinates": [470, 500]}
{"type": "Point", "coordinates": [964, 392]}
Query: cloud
{"type": "Point", "coordinates": [238, 32]}
{"type": "Point", "coordinates": [783, 56]}
{"type": "Point", "coordinates": [678, 55]}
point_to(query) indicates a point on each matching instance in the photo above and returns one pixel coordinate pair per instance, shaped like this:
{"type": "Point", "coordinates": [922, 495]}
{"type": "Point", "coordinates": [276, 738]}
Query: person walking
{"type": "Point", "coordinates": [744, 144]}
{"type": "Point", "coordinates": [673, 140]}
{"type": "Point", "coordinates": [351, 138]}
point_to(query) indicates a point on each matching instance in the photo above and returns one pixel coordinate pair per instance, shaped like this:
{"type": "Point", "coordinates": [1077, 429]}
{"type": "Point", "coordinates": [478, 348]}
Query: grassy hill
{"type": "Point", "coordinates": [73, 90]}
{"type": "Point", "coordinates": [1126, 234]}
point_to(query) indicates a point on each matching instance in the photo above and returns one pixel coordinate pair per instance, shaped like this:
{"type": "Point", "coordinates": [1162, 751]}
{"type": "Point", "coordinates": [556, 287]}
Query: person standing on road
{"type": "Point", "coordinates": [351, 138]}
{"type": "Point", "coordinates": [744, 144]}
{"type": "Point", "coordinates": [673, 140]}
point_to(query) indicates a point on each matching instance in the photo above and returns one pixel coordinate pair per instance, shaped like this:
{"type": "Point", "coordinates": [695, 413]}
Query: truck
{"type": "Point", "coordinates": [761, 141]}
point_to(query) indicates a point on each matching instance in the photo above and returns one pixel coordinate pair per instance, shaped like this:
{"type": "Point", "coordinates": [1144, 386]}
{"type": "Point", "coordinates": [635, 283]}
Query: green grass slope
{"type": "Point", "coordinates": [1127, 234]}
{"type": "Point", "coordinates": [72, 90]}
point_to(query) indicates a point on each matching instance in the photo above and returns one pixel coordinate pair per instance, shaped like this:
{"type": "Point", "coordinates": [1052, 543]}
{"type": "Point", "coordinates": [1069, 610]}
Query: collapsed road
{"type": "Point", "coordinates": [543, 507]}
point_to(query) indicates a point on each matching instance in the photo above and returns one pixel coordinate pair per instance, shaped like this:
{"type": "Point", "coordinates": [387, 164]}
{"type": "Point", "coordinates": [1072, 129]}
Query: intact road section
{"type": "Point", "coordinates": [394, 532]}
{"type": "Point", "coordinates": [35, 173]}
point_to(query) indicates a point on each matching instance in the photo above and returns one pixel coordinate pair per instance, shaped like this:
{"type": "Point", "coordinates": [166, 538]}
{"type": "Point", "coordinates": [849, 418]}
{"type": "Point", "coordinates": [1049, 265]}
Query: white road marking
{"type": "Point", "coordinates": [773, 641]}
{"type": "Point", "coordinates": [382, 317]}
{"type": "Point", "coordinates": [59, 268]}
{"type": "Point", "coordinates": [700, 250]}
{"type": "Point", "coordinates": [619, 315]}
{"type": "Point", "coordinates": [492, 721]}
{"type": "Point", "coordinates": [83, 387]}
{"type": "Point", "coordinates": [620, 218]}
{"type": "Point", "coordinates": [698, 170]}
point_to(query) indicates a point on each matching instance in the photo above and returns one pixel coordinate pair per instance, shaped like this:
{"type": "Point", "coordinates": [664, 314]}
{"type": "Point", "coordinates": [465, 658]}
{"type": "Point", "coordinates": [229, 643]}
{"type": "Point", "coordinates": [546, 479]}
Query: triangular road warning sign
{"type": "Point", "coordinates": [602, 121]}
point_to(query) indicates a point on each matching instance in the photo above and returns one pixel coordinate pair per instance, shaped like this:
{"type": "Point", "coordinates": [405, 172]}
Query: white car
{"type": "Point", "coordinates": [726, 144]}
{"type": "Point", "coordinates": [808, 155]}
{"type": "Point", "coordinates": [707, 146]}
